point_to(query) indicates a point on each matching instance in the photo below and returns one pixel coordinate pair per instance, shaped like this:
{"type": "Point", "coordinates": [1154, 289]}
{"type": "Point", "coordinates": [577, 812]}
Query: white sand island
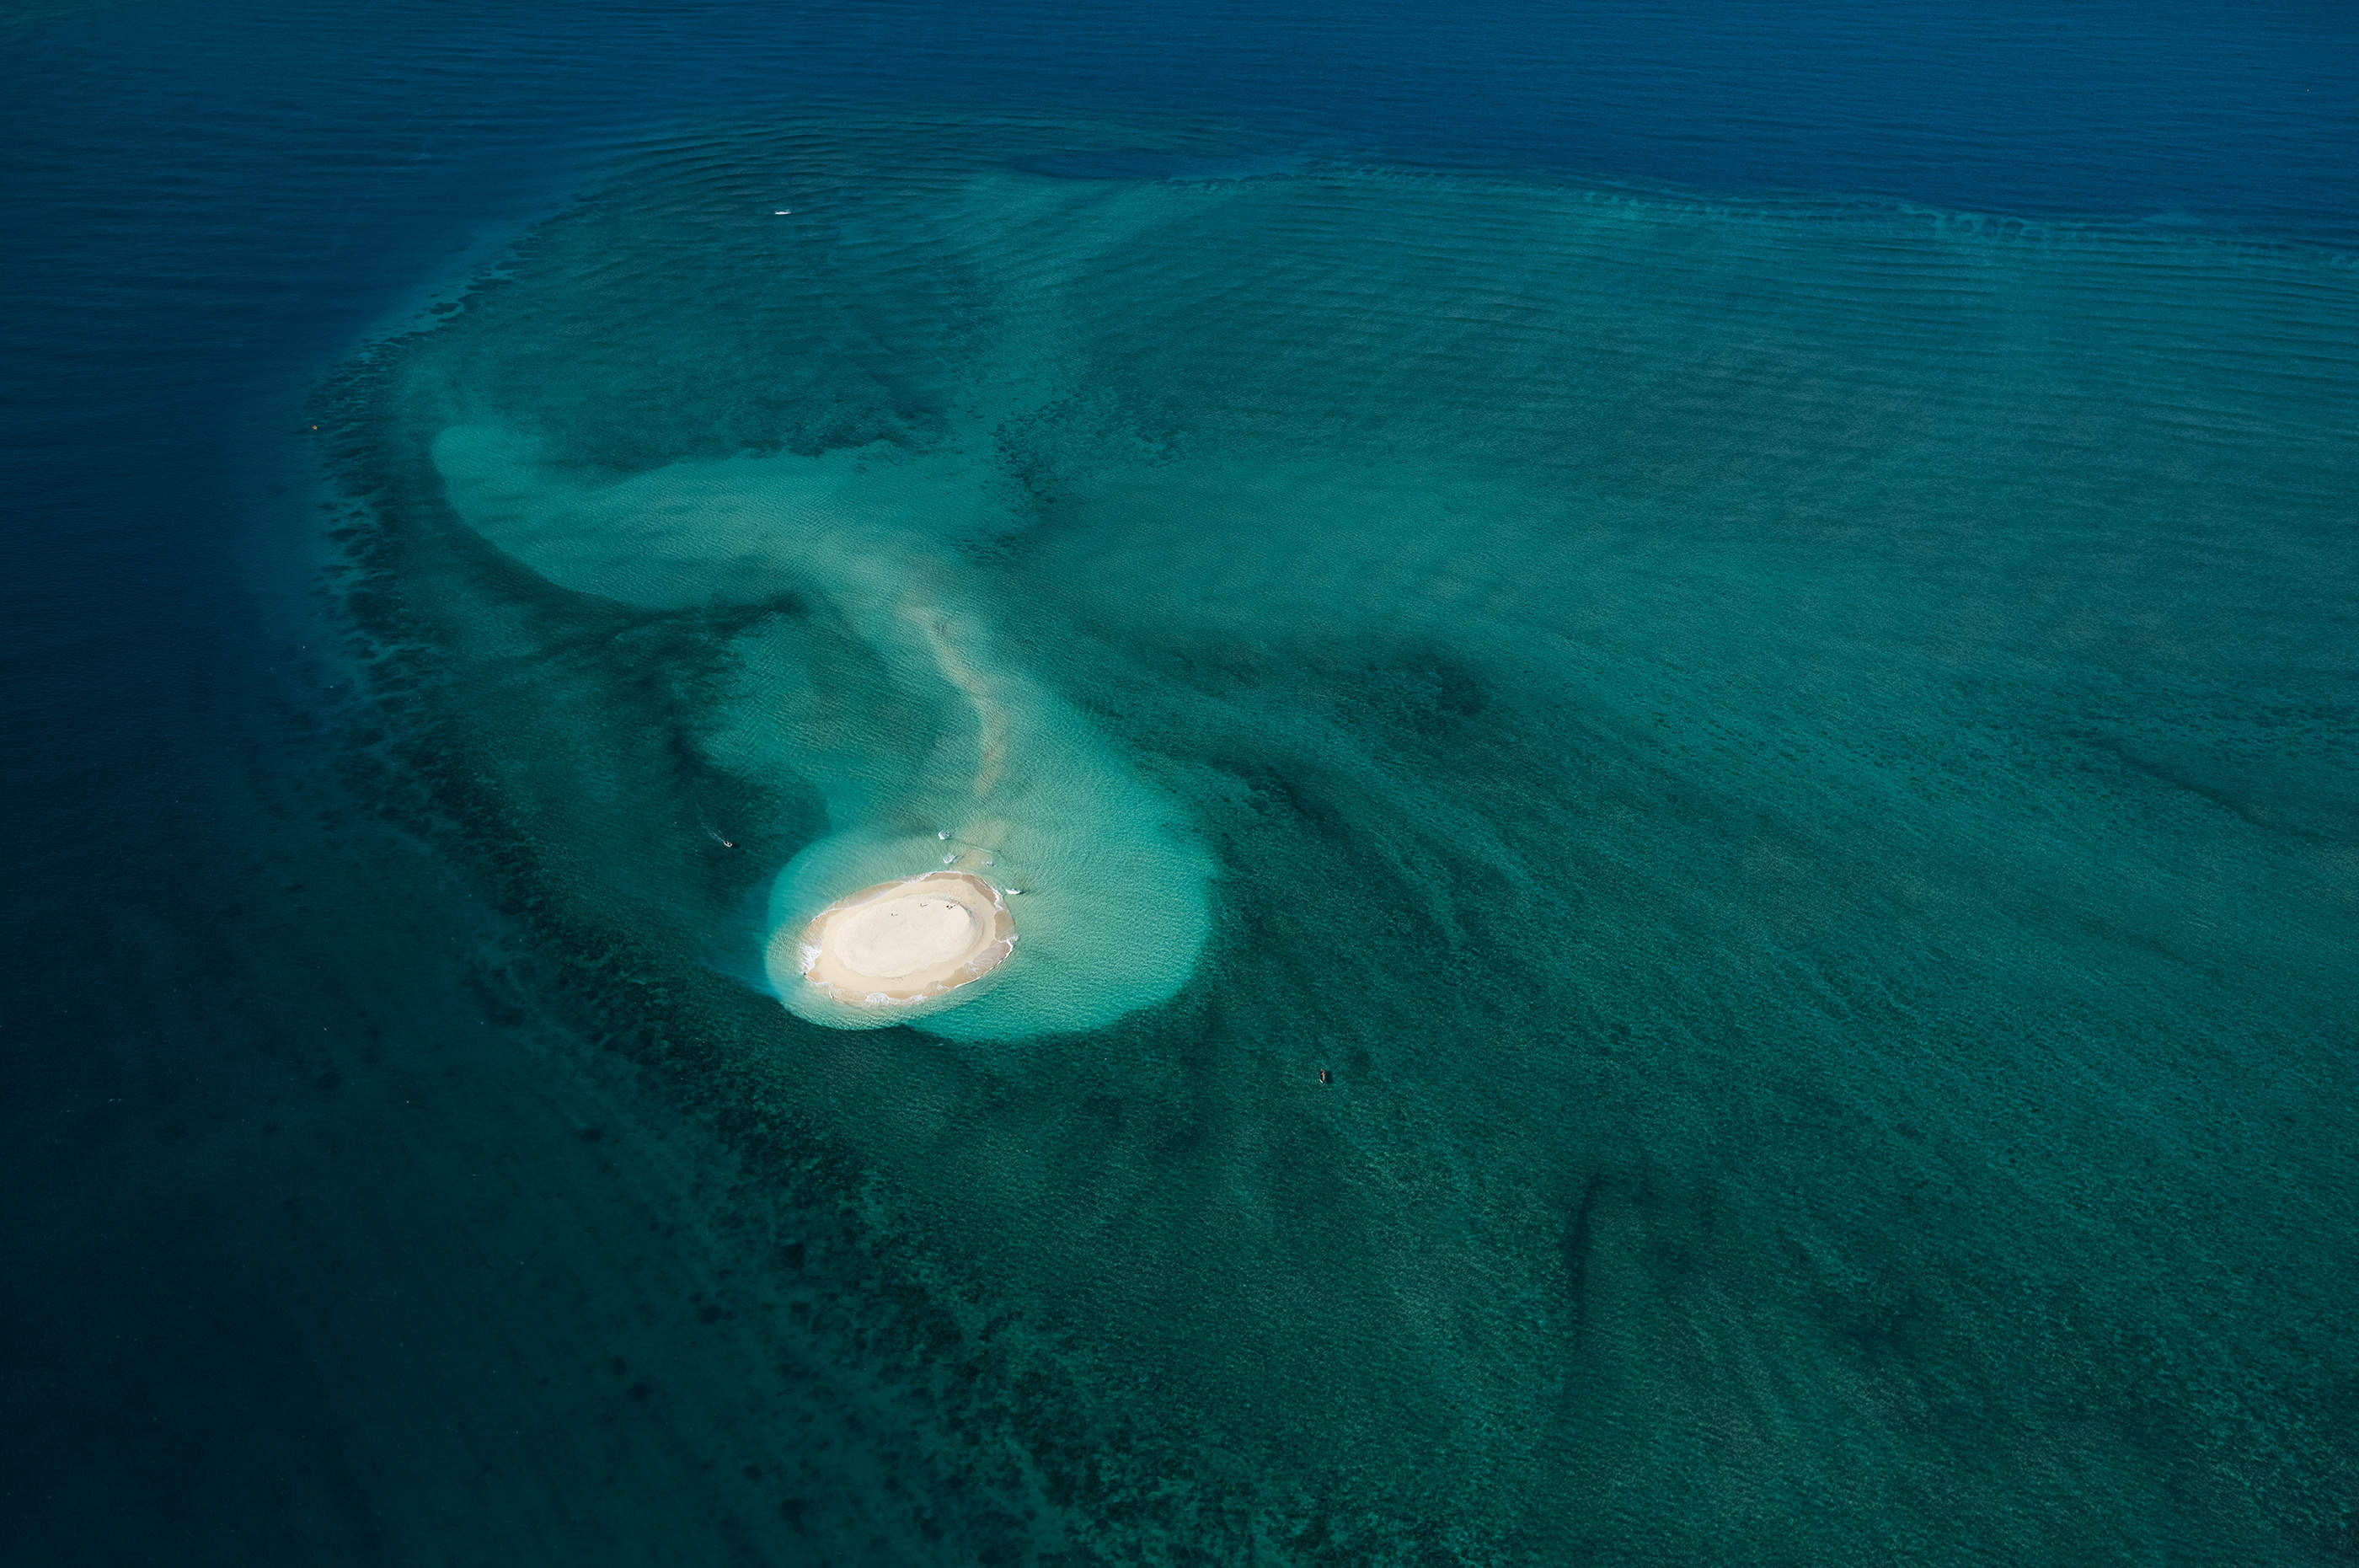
{"type": "Point", "coordinates": [899, 943]}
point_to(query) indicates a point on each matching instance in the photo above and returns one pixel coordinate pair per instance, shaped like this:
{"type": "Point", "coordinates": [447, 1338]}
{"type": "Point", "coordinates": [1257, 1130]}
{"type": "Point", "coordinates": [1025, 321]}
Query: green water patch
{"type": "Point", "coordinates": [1686, 870]}
{"type": "Point", "coordinates": [1114, 909]}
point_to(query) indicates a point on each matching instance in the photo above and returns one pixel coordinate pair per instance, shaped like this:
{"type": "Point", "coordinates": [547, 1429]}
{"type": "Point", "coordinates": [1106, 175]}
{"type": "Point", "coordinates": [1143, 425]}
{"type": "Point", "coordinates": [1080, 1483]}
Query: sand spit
{"type": "Point", "coordinates": [898, 943]}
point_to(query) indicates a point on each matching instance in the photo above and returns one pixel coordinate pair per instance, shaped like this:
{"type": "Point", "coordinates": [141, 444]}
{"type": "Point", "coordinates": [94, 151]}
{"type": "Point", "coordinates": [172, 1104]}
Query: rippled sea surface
{"type": "Point", "coordinates": [1674, 691]}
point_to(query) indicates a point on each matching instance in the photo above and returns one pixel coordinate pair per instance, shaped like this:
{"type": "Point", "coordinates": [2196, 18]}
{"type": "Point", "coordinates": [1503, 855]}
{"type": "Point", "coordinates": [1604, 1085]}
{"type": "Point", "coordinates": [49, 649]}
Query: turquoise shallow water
{"type": "Point", "coordinates": [1793, 762]}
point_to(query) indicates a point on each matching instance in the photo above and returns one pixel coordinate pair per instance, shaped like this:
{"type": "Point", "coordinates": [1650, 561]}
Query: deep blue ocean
{"type": "Point", "coordinates": [1675, 687]}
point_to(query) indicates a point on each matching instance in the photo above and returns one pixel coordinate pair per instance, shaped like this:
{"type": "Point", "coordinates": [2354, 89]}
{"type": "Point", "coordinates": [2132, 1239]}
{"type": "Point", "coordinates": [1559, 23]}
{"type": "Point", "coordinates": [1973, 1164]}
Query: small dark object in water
{"type": "Point", "coordinates": [1324, 1077]}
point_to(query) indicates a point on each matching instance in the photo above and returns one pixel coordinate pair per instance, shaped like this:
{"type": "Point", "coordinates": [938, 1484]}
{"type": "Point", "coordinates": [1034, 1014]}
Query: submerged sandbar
{"type": "Point", "coordinates": [902, 942]}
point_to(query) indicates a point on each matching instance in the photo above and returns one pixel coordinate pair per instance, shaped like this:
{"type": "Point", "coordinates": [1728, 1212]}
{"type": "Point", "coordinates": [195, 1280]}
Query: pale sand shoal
{"type": "Point", "coordinates": [906, 942]}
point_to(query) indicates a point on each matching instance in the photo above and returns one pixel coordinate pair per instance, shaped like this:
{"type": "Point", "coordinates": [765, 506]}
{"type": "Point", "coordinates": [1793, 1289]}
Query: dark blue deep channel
{"type": "Point", "coordinates": [1792, 563]}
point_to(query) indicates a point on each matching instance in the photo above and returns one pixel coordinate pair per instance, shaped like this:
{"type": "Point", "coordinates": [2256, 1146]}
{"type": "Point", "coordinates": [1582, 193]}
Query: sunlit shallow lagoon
{"type": "Point", "coordinates": [1687, 886]}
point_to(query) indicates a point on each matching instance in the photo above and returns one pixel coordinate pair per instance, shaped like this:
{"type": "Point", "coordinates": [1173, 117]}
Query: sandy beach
{"type": "Point", "coordinates": [908, 941]}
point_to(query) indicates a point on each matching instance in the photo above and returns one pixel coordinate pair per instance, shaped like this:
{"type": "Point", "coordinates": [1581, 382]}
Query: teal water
{"type": "Point", "coordinates": [1793, 761]}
